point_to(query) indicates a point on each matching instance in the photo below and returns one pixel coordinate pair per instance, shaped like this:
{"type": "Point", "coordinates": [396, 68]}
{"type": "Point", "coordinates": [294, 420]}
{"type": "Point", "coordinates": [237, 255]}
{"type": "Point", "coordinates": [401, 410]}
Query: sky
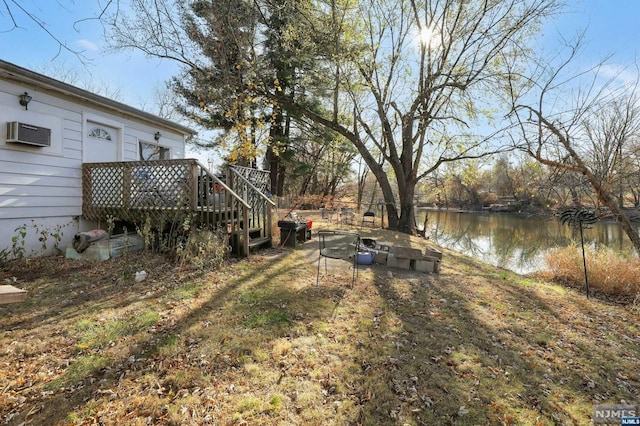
{"type": "Point", "coordinates": [613, 28]}
{"type": "Point", "coordinates": [31, 47]}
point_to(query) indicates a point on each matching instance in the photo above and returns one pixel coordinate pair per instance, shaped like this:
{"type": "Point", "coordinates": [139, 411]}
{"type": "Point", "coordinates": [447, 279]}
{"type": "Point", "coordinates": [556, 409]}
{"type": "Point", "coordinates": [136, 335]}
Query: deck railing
{"type": "Point", "coordinates": [171, 191]}
{"type": "Point", "coordinates": [251, 185]}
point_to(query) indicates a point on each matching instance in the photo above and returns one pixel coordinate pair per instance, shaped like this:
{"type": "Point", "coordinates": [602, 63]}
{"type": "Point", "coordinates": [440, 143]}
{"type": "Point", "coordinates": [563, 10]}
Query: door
{"type": "Point", "coordinates": [100, 144]}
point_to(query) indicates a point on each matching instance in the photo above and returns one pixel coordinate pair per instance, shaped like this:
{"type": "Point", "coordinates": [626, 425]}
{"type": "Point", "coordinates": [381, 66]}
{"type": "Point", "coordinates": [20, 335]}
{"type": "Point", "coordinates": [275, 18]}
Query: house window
{"type": "Point", "coordinates": [149, 151]}
{"type": "Point", "coordinates": [100, 133]}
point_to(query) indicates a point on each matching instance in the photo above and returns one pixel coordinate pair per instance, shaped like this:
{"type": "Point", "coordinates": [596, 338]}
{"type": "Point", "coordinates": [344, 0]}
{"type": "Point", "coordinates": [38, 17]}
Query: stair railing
{"type": "Point", "coordinates": [261, 213]}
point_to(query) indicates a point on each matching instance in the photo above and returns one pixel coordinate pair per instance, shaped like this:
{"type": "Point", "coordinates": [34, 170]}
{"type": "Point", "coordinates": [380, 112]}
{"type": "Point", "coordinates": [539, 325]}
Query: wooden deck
{"type": "Point", "coordinates": [178, 192]}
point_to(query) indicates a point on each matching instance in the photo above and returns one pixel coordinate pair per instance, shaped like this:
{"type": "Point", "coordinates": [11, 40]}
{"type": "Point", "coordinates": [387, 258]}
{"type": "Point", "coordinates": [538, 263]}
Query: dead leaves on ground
{"type": "Point", "coordinates": [397, 348]}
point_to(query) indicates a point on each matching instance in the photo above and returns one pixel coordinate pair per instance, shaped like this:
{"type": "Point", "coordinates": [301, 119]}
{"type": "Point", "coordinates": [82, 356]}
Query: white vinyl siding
{"type": "Point", "coordinates": [43, 186]}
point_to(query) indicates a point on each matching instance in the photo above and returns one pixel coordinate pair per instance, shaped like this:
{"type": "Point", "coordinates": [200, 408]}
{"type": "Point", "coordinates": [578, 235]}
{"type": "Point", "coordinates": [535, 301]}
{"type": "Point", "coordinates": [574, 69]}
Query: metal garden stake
{"type": "Point", "coordinates": [580, 218]}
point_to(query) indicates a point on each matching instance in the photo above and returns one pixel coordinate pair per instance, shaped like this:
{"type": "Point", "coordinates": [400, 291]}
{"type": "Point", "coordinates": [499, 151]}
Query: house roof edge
{"type": "Point", "coordinates": [24, 75]}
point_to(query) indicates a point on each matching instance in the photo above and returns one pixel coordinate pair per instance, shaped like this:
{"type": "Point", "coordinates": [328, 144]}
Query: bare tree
{"type": "Point", "coordinates": [403, 81]}
{"type": "Point", "coordinates": [416, 80]}
{"type": "Point", "coordinates": [63, 71]}
{"type": "Point", "coordinates": [162, 102]}
{"type": "Point", "coordinates": [589, 135]}
{"type": "Point", "coordinates": [632, 174]}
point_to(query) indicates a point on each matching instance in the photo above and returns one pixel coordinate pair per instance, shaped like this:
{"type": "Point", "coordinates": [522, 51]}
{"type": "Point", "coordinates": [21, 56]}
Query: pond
{"type": "Point", "coordinates": [511, 241]}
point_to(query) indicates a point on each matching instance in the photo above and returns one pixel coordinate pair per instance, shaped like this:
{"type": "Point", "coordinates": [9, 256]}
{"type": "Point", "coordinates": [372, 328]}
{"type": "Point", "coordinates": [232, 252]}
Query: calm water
{"type": "Point", "coordinates": [512, 241]}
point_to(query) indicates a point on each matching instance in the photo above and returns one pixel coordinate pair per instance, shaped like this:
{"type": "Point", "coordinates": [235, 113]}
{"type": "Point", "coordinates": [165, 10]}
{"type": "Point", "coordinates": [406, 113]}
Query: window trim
{"type": "Point", "coordinates": [161, 148]}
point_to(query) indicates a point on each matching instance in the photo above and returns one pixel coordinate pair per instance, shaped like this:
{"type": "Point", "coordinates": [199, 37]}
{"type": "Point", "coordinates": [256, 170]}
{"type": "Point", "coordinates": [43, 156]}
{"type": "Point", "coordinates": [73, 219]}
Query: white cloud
{"type": "Point", "coordinates": [625, 74]}
{"type": "Point", "coordinates": [87, 45]}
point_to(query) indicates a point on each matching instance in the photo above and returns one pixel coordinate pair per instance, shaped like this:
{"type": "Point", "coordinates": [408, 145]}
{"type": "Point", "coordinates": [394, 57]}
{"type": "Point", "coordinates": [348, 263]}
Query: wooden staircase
{"type": "Point", "coordinates": [251, 185]}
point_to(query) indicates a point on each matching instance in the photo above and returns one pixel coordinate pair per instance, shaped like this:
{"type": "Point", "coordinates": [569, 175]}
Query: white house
{"type": "Point", "coordinates": [48, 129]}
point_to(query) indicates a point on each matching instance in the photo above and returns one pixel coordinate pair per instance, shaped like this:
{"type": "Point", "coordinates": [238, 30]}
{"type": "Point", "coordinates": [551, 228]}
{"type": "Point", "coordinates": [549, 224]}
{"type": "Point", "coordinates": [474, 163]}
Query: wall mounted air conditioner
{"type": "Point", "coordinates": [27, 134]}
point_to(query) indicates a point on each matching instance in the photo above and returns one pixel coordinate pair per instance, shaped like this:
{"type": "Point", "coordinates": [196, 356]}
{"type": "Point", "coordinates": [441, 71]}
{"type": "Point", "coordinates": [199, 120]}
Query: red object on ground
{"type": "Point", "coordinates": [309, 223]}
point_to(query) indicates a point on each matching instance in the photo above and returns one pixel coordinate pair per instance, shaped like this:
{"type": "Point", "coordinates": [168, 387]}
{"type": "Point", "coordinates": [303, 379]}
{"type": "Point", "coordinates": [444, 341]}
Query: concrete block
{"type": "Point", "coordinates": [436, 263]}
{"type": "Point", "coordinates": [380, 258]}
{"type": "Point", "coordinates": [394, 262]}
{"type": "Point", "coordinates": [423, 265]}
{"type": "Point", "coordinates": [404, 264]}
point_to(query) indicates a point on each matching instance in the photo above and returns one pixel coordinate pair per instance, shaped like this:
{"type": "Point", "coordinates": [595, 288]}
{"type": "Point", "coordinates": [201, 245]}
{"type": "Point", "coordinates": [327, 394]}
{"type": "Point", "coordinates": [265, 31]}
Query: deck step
{"type": "Point", "coordinates": [254, 233]}
{"type": "Point", "coordinates": [255, 242]}
{"type": "Point", "coordinates": [11, 294]}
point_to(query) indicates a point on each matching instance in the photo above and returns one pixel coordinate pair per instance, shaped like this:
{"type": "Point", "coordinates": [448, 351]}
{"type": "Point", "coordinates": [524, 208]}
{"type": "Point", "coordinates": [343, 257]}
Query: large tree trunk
{"type": "Point", "coordinates": [407, 219]}
{"type": "Point", "coordinates": [277, 137]}
{"type": "Point", "coordinates": [387, 195]}
{"type": "Point", "coordinates": [272, 162]}
{"type": "Point", "coordinates": [612, 203]}
{"type": "Point", "coordinates": [407, 222]}
{"type": "Point", "coordinates": [603, 194]}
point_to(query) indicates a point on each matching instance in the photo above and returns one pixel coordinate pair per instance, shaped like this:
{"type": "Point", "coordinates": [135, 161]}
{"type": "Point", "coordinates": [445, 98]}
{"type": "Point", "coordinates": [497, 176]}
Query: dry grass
{"type": "Point", "coordinates": [608, 272]}
{"type": "Point", "coordinates": [259, 343]}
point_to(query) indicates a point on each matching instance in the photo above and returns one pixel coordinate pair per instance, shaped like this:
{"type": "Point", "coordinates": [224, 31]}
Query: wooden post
{"type": "Point", "coordinates": [269, 224]}
{"type": "Point", "coordinates": [193, 184]}
{"type": "Point", "coordinates": [126, 185]}
{"type": "Point", "coordinates": [245, 231]}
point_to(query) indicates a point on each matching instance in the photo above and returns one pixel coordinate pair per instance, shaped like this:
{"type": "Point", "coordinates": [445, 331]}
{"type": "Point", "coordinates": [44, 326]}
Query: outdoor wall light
{"type": "Point", "coordinates": [25, 99]}
{"type": "Point", "coordinates": [157, 136]}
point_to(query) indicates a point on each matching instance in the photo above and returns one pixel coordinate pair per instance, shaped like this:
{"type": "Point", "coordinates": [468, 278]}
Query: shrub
{"type": "Point", "coordinates": [203, 249]}
{"type": "Point", "coordinates": [608, 271]}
